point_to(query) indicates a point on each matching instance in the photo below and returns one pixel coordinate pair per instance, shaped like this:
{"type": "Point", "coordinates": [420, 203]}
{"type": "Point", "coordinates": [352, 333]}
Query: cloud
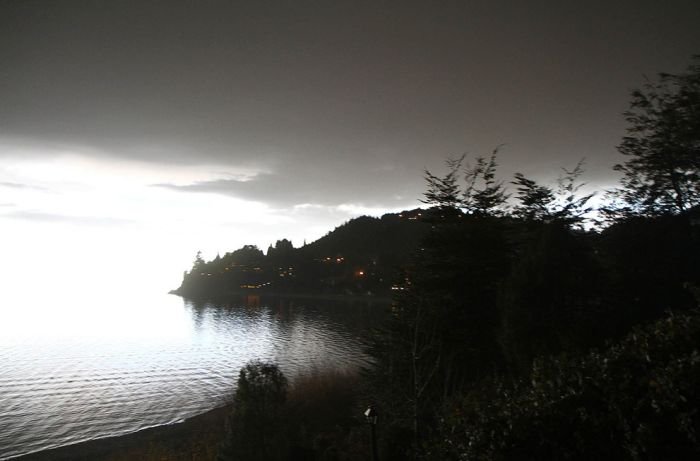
{"type": "Point", "coordinates": [302, 187]}
{"type": "Point", "coordinates": [16, 185]}
{"type": "Point", "coordinates": [42, 217]}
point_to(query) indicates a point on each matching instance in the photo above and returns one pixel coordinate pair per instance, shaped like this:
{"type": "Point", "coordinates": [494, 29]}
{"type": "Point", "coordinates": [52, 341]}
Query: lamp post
{"type": "Point", "coordinates": [371, 417]}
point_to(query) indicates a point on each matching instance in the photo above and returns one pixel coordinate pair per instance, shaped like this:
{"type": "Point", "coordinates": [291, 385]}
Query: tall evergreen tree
{"type": "Point", "coordinates": [444, 192]}
{"type": "Point", "coordinates": [484, 194]}
{"type": "Point", "coordinates": [564, 204]}
{"type": "Point", "coordinates": [443, 333]}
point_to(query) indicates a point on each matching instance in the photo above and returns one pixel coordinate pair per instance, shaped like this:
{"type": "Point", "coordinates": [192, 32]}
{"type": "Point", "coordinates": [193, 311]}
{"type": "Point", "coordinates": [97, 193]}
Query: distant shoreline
{"type": "Point", "coordinates": [197, 437]}
{"type": "Point", "coordinates": [290, 295]}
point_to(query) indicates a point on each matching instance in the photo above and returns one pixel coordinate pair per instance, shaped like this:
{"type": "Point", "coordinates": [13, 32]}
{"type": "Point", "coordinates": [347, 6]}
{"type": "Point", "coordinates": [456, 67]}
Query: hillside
{"type": "Point", "coordinates": [362, 256]}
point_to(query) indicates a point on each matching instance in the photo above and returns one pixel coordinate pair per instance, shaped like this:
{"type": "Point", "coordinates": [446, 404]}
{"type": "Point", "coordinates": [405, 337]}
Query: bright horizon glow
{"type": "Point", "coordinates": [74, 226]}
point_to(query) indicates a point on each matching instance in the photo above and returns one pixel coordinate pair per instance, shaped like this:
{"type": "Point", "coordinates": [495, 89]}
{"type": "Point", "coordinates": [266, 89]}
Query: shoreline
{"type": "Point", "coordinates": [383, 298]}
{"type": "Point", "coordinates": [195, 438]}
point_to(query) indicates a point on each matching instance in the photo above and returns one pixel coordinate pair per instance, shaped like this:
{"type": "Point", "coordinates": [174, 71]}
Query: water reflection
{"type": "Point", "coordinates": [179, 358]}
{"type": "Point", "coordinates": [298, 334]}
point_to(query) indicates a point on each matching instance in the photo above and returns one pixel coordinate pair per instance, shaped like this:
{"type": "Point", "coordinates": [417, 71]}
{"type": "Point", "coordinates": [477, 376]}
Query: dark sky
{"type": "Point", "coordinates": [332, 102]}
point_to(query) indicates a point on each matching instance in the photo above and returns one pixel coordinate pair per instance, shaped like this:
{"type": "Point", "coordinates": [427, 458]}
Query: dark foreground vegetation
{"type": "Point", "coordinates": [521, 329]}
{"type": "Point", "coordinates": [525, 334]}
{"type": "Point", "coordinates": [319, 417]}
{"type": "Point", "coordinates": [636, 398]}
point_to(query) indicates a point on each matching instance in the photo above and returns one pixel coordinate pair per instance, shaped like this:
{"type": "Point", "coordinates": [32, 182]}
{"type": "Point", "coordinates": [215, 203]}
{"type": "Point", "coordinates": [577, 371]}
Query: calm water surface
{"type": "Point", "coordinates": [100, 367]}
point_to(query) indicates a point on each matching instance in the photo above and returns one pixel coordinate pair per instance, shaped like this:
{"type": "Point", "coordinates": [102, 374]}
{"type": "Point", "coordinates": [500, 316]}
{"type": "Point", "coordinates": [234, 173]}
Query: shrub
{"type": "Point", "coordinates": [637, 399]}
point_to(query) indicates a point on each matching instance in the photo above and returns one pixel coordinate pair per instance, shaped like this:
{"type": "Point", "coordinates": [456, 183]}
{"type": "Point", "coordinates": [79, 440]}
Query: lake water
{"type": "Point", "coordinates": [111, 365]}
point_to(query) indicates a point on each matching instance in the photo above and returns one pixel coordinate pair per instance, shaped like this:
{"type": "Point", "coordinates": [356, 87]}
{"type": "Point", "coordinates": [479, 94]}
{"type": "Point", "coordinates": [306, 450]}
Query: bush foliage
{"type": "Point", "coordinates": [637, 399]}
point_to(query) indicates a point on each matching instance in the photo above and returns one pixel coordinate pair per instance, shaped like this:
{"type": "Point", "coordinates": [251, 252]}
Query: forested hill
{"type": "Point", "coordinates": [362, 256]}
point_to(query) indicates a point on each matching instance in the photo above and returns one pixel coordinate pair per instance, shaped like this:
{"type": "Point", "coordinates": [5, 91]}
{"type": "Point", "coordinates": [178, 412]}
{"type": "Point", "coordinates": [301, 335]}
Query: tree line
{"type": "Point", "coordinates": [359, 257]}
{"type": "Point", "coordinates": [520, 332]}
{"type": "Point", "coordinates": [464, 368]}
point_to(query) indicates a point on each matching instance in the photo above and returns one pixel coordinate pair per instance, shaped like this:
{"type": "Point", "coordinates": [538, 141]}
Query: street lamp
{"type": "Point", "coordinates": [371, 417]}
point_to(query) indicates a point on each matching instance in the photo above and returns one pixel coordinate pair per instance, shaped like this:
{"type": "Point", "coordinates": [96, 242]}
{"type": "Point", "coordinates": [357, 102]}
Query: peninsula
{"type": "Point", "coordinates": [363, 256]}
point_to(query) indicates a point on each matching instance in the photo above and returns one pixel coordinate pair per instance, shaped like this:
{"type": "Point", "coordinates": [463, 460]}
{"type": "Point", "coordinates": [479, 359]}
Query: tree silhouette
{"type": "Point", "coordinates": [256, 422]}
{"type": "Point", "coordinates": [443, 331]}
{"type": "Point", "coordinates": [484, 195]}
{"type": "Point", "coordinates": [535, 199]}
{"type": "Point", "coordinates": [198, 264]}
{"type": "Point", "coordinates": [444, 192]}
{"type": "Point", "coordinates": [662, 173]}
{"type": "Point", "coordinates": [564, 204]}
